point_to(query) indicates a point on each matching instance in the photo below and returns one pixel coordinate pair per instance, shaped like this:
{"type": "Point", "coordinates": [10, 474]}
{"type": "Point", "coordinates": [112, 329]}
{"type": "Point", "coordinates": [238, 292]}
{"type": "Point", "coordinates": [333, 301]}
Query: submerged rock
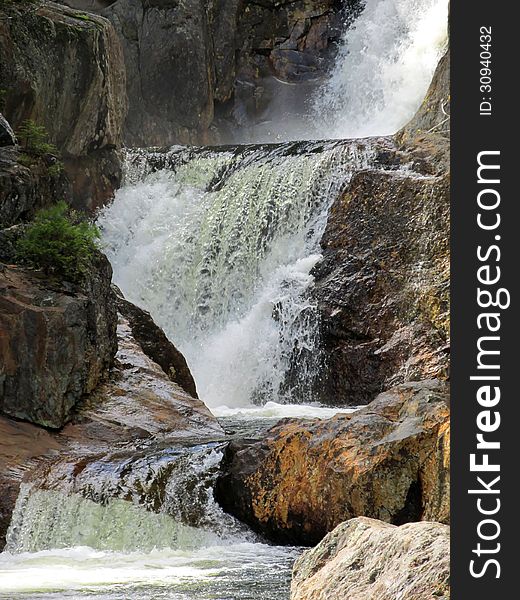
{"type": "Point", "coordinates": [389, 461]}
{"type": "Point", "coordinates": [59, 341]}
{"type": "Point", "coordinates": [366, 559]}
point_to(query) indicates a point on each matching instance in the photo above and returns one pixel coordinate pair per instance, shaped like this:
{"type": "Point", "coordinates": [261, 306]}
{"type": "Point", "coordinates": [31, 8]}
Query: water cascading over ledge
{"type": "Point", "coordinates": [219, 245]}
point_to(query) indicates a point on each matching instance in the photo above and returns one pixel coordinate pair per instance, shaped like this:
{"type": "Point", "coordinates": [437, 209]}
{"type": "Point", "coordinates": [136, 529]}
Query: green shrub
{"type": "Point", "coordinates": [34, 139]}
{"type": "Point", "coordinates": [59, 242]}
{"type": "Point", "coordinates": [55, 170]}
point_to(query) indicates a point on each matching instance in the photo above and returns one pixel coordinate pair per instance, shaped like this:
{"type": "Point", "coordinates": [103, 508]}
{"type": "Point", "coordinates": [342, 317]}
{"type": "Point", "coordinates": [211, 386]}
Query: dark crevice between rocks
{"type": "Point", "coordinates": [413, 505]}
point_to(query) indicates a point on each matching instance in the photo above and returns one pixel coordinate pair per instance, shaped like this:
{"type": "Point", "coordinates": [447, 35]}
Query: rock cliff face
{"type": "Point", "coordinates": [364, 559]}
{"type": "Point", "coordinates": [198, 68]}
{"type": "Point", "coordinates": [51, 57]}
{"type": "Point", "coordinates": [389, 461]}
{"type": "Point", "coordinates": [58, 342]}
{"type": "Point", "coordinates": [382, 288]}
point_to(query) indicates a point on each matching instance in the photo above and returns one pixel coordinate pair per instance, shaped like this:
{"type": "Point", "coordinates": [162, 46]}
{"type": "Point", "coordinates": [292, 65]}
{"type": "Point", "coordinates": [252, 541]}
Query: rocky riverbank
{"type": "Point", "coordinates": [135, 406]}
{"type": "Point", "coordinates": [90, 386]}
{"type": "Point", "coordinates": [83, 372]}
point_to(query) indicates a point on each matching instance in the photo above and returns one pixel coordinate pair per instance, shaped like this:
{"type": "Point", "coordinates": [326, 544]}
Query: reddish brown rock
{"type": "Point", "coordinates": [389, 461]}
{"type": "Point", "coordinates": [57, 341]}
{"type": "Point", "coordinates": [382, 288]}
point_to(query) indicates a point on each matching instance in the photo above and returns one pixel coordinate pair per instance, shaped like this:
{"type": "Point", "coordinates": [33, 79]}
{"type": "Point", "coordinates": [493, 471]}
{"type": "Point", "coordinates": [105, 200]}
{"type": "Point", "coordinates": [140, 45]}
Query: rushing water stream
{"type": "Point", "coordinates": [219, 244]}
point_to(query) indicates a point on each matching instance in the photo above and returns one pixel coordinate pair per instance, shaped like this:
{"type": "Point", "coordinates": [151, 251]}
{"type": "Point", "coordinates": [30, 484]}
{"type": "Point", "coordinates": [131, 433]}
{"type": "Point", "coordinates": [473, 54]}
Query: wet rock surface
{"type": "Point", "coordinates": [196, 70]}
{"type": "Point", "coordinates": [156, 345]}
{"type": "Point", "coordinates": [135, 418]}
{"type": "Point", "coordinates": [389, 461]}
{"type": "Point", "coordinates": [364, 558]}
{"type": "Point", "coordinates": [7, 137]}
{"type": "Point", "coordinates": [382, 288]}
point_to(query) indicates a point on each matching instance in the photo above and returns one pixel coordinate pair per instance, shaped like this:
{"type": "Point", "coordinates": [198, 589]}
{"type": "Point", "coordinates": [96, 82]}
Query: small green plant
{"type": "Point", "coordinates": [59, 242]}
{"type": "Point", "coordinates": [56, 169]}
{"type": "Point", "coordinates": [34, 139]}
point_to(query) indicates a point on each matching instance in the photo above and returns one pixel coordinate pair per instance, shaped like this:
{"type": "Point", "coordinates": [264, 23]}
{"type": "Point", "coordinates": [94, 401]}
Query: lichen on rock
{"type": "Point", "coordinates": [366, 559]}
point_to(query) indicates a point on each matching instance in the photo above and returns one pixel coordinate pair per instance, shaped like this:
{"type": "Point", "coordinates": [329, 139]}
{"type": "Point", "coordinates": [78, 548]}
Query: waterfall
{"type": "Point", "coordinates": [383, 69]}
{"type": "Point", "coordinates": [219, 244]}
{"type": "Point", "coordinates": [147, 522]}
{"type": "Point", "coordinates": [134, 501]}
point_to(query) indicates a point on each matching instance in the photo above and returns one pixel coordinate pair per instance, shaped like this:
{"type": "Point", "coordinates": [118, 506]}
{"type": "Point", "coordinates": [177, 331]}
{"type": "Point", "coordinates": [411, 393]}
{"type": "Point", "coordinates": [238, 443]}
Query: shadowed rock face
{"type": "Point", "coordinates": [382, 287]}
{"type": "Point", "coordinates": [389, 461]}
{"type": "Point", "coordinates": [23, 190]}
{"type": "Point", "coordinates": [366, 559]}
{"type": "Point", "coordinates": [197, 70]}
{"type": "Point", "coordinates": [7, 137]}
{"type": "Point", "coordinates": [156, 345]}
{"type": "Point", "coordinates": [52, 56]}
{"type": "Point", "coordinates": [58, 341]}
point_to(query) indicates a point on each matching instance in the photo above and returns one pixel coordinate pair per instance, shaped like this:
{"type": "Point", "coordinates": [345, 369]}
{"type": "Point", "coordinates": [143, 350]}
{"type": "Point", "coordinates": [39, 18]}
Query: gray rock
{"type": "Point", "coordinates": [64, 69]}
{"type": "Point", "coordinates": [366, 559]}
{"type": "Point", "coordinates": [169, 66]}
{"type": "Point", "coordinates": [198, 69]}
{"type": "Point", "coordinates": [7, 137]}
{"type": "Point", "coordinates": [59, 342]}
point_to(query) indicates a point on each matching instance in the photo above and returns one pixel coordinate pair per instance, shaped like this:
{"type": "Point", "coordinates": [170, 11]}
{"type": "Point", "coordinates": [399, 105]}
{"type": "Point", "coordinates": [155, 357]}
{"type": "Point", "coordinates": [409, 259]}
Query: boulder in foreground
{"type": "Point", "coordinates": [366, 559]}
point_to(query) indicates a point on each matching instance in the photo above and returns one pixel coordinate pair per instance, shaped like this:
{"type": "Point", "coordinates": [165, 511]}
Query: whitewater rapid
{"type": "Point", "coordinates": [384, 67]}
{"type": "Point", "coordinates": [219, 245]}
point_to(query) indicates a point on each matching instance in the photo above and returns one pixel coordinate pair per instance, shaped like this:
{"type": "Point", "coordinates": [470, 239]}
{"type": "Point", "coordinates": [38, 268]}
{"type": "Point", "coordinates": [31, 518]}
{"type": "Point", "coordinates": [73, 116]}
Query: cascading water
{"type": "Point", "coordinates": [219, 246]}
{"type": "Point", "coordinates": [146, 521]}
{"type": "Point", "coordinates": [384, 67]}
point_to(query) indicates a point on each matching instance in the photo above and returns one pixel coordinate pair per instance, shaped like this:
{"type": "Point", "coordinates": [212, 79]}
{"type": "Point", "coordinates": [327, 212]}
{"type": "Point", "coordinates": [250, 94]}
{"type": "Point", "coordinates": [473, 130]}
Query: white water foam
{"type": "Point", "coordinates": [384, 67]}
{"type": "Point", "coordinates": [188, 575]}
{"type": "Point", "coordinates": [276, 411]}
{"type": "Point", "coordinates": [220, 248]}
